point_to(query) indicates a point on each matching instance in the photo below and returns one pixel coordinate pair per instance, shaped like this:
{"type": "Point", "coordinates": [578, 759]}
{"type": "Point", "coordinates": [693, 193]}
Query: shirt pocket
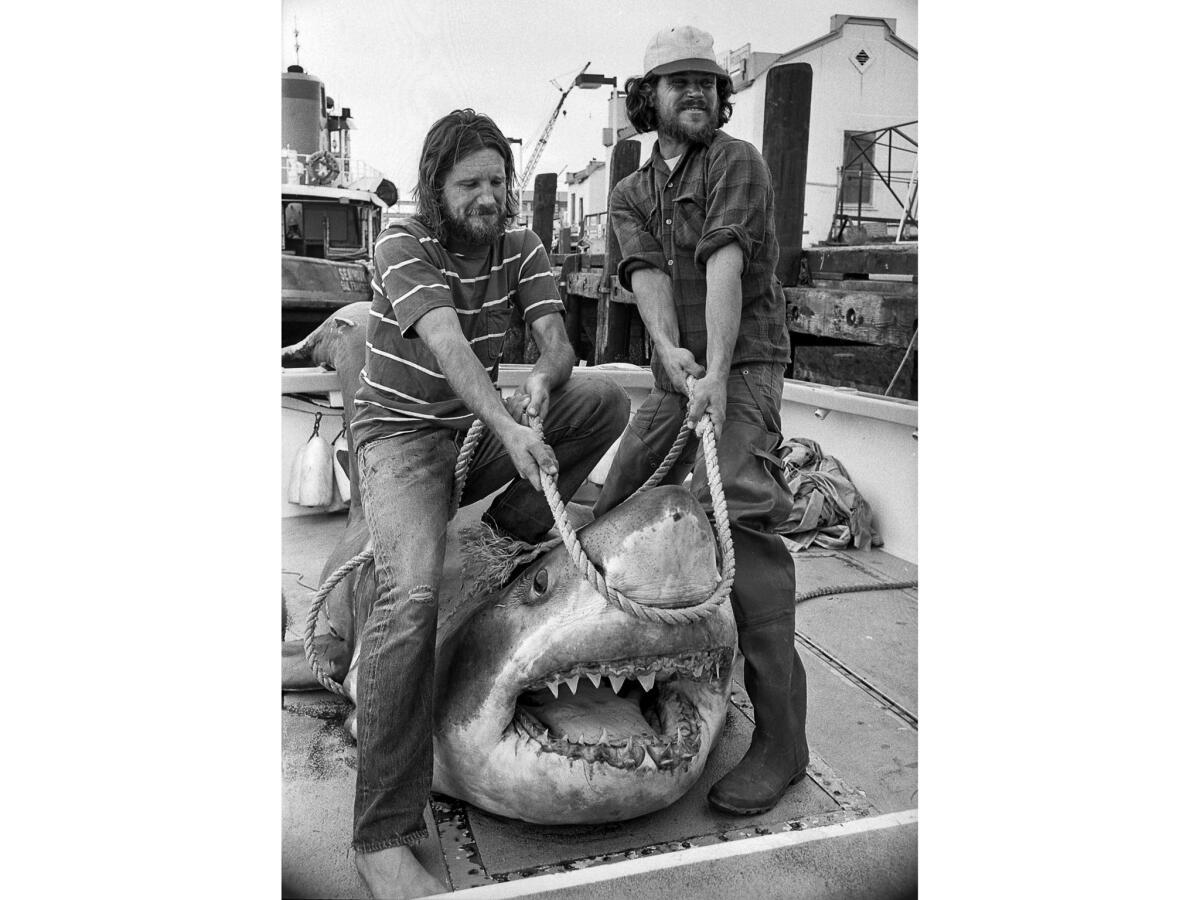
{"type": "Point", "coordinates": [688, 220]}
{"type": "Point", "coordinates": [496, 322]}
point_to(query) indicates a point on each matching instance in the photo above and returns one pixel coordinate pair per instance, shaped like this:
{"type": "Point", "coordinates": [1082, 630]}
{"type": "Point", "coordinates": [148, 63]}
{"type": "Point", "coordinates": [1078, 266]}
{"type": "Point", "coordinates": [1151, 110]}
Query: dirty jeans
{"type": "Point", "coordinates": [407, 487]}
{"type": "Point", "coordinates": [756, 492]}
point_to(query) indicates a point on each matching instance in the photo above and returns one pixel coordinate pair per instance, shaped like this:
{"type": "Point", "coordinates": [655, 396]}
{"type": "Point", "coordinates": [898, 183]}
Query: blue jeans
{"type": "Point", "coordinates": [756, 492]}
{"type": "Point", "coordinates": [407, 486]}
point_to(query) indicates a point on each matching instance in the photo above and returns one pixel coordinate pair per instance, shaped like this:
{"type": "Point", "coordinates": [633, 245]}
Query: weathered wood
{"type": "Point", "coordinates": [590, 260]}
{"type": "Point", "coordinates": [591, 285]}
{"type": "Point", "coordinates": [572, 303]}
{"type": "Point", "coordinates": [862, 366]}
{"type": "Point", "coordinates": [787, 102]}
{"type": "Point", "coordinates": [870, 286]}
{"type": "Point", "coordinates": [873, 318]}
{"type": "Point", "coordinates": [613, 319]}
{"type": "Point", "coordinates": [545, 187]}
{"type": "Point", "coordinates": [863, 259]}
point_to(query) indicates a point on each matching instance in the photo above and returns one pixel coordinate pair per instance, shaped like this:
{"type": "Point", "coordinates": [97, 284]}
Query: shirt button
{"type": "Point", "coordinates": [670, 262]}
{"type": "Point", "coordinates": [668, 221]}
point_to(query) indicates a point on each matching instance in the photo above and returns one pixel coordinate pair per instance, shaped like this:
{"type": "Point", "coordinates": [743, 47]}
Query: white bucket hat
{"type": "Point", "coordinates": [681, 49]}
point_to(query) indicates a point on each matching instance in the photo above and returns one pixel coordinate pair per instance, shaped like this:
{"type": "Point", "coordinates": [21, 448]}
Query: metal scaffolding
{"type": "Point", "coordinates": [860, 173]}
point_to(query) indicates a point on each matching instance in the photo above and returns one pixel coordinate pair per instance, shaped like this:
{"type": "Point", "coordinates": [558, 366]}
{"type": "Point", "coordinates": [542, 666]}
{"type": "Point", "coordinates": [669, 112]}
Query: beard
{"type": "Point", "coordinates": [670, 124]}
{"type": "Point", "coordinates": [475, 228]}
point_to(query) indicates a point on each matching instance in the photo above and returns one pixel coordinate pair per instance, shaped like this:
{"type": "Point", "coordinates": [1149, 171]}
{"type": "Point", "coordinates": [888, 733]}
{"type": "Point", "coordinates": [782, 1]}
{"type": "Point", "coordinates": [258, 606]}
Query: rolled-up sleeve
{"type": "Point", "coordinates": [739, 186]}
{"type": "Point", "coordinates": [411, 282]}
{"type": "Point", "coordinates": [639, 248]}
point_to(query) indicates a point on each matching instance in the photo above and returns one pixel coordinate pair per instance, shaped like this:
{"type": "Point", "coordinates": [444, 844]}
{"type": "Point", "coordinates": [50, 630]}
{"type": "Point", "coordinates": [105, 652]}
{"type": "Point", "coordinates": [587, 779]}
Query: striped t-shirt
{"type": "Point", "coordinates": [401, 387]}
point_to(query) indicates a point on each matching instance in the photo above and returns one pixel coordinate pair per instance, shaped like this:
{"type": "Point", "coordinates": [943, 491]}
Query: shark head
{"type": "Point", "coordinates": [555, 706]}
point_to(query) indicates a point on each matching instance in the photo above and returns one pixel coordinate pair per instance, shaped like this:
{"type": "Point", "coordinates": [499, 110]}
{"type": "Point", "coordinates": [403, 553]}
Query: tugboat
{"type": "Point", "coordinates": [332, 208]}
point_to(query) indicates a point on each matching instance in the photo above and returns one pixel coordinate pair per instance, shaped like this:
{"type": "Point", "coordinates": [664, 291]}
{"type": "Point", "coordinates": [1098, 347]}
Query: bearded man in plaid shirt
{"type": "Point", "coordinates": [696, 231]}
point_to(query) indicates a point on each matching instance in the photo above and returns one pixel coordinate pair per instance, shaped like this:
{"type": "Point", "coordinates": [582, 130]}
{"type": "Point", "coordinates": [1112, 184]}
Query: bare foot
{"type": "Point", "coordinates": [396, 874]}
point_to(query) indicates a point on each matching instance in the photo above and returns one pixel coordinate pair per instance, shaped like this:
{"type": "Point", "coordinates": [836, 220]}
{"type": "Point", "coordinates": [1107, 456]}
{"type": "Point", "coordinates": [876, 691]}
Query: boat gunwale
{"type": "Point", "coordinates": [512, 375]}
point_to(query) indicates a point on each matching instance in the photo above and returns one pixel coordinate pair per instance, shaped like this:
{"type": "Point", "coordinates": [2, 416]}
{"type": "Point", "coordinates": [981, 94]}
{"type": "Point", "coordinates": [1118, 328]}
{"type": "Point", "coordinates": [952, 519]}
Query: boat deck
{"type": "Point", "coordinates": [848, 829]}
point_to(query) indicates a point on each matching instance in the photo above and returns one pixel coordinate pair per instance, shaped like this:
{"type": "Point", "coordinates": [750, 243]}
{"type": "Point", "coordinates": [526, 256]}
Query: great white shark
{"type": "Point", "coordinates": [552, 705]}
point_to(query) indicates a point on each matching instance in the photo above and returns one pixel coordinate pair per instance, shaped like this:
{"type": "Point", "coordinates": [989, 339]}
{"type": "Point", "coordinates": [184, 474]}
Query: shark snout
{"type": "Point", "coordinates": [657, 548]}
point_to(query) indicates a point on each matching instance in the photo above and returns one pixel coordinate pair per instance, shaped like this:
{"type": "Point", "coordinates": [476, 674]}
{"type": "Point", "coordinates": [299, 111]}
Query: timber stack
{"type": "Point", "coordinates": [853, 317]}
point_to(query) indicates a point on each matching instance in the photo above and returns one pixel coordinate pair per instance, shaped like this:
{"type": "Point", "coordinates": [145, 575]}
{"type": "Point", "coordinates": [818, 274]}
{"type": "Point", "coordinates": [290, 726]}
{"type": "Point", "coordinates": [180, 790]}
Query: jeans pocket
{"type": "Point", "coordinates": [763, 387]}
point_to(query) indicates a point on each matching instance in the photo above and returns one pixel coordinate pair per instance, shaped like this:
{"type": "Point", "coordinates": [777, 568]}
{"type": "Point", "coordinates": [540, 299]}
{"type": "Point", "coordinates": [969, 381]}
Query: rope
{"type": "Point", "coordinates": [853, 588]}
{"type": "Point", "coordinates": [461, 468]}
{"type": "Point", "coordinates": [903, 360]}
{"type": "Point", "coordinates": [310, 624]}
{"type": "Point", "coordinates": [688, 614]}
{"type": "Point", "coordinates": [634, 608]}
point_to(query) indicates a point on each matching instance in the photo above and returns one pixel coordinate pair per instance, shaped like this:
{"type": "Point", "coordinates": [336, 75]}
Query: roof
{"type": "Point", "coordinates": [586, 172]}
{"type": "Point", "coordinates": [835, 33]}
{"type": "Point", "coordinates": [312, 191]}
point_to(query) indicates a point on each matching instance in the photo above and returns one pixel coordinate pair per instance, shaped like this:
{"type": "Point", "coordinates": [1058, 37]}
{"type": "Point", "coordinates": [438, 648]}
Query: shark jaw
{"type": "Point", "coordinates": [638, 713]}
{"type": "Point", "coordinates": [555, 706]}
{"type": "Point", "coordinates": [604, 752]}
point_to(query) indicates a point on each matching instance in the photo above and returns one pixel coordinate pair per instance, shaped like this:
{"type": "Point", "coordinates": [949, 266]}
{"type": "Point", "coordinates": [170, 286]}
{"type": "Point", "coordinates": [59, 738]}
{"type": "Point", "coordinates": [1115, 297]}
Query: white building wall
{"type": "Point", "coordinates": [593, 192]}
{"type": "Point", "coordinates": [843, 99]}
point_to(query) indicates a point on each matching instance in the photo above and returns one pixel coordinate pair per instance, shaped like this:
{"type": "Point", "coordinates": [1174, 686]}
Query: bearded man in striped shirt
{"type": "Point", "coordinates": [445, 285]}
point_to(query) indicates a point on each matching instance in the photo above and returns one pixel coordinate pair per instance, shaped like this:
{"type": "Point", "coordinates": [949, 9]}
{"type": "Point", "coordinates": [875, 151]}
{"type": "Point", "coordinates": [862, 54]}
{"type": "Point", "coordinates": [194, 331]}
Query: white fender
{"type": "Point", "coordinates": [316, 473]}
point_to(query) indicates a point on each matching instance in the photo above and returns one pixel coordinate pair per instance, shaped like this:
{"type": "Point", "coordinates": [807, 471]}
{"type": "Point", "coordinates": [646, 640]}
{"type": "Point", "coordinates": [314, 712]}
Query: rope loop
{"type": "Point", "coordinates": [679, 616]}
{"type": "Point", "coordinates": [682, 615]}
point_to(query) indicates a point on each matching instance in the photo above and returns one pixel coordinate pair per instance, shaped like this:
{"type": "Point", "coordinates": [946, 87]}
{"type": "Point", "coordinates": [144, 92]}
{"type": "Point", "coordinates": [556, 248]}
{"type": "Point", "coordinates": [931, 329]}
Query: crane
{"type": "Point", "coordinates": [545, 136]}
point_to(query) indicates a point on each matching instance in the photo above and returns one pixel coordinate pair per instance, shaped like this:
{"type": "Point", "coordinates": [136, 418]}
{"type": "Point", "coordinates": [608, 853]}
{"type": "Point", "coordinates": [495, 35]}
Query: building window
{"type": "Point", "coordinates": [857, 173]}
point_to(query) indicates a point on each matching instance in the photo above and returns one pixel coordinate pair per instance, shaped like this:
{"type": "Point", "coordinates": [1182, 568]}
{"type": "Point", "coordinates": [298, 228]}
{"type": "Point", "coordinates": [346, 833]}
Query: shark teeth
{"type": "Point", "coordinates": [661, 750]}
{"type": "Point", "coordinates": [699, 665]}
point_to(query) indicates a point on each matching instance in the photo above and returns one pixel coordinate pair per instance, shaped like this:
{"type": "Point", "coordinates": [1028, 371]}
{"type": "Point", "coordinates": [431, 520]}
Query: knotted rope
{"type": "Point", "coordinates": [682, 615]}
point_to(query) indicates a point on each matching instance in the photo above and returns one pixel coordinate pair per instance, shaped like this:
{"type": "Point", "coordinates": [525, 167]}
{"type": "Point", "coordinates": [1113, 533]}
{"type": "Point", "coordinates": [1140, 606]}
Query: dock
{"type": "Point", "coordinates": [852, 315]}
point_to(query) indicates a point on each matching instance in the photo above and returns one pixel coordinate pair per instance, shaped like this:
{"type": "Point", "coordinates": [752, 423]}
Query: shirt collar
{"type": "Point", "coordinates": [656, 153]}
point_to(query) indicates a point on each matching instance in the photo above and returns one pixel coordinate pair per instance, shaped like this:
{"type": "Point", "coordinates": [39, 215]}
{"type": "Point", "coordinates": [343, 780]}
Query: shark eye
{"type": "Point", "coordinates": [541, 581]}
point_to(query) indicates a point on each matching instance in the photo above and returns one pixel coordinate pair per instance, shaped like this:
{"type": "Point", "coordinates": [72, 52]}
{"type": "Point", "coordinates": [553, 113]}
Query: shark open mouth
{"type": "Point", "coordinates": [629, 714]}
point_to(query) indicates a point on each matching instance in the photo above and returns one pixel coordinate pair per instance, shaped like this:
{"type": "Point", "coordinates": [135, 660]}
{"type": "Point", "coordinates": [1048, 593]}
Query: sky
{"type": "Point", "coordinates": [400, 65]}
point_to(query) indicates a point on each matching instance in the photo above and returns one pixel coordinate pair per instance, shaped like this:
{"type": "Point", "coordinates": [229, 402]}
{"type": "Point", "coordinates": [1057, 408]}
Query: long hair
{"type": "Point", "coordinates": [639, 102]}
{"type": "Point", "coordinates": [452, 138]}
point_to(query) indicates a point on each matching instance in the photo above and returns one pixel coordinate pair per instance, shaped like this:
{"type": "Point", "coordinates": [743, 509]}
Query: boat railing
{"type": "Point", "coordinates": [298, 168]}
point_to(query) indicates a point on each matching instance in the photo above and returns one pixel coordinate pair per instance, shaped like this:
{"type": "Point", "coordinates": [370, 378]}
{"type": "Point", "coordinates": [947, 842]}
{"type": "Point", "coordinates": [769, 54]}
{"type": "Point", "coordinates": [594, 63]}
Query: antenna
{"type": "Point", "coordinates": [296, 32]}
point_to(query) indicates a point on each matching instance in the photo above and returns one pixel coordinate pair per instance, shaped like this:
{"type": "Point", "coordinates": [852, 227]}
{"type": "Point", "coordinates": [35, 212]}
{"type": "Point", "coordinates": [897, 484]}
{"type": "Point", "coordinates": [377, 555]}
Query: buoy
{"type": "Point", "coordinates": [316, 473]}
{"type": "Point", "coordinates": [341, 467]}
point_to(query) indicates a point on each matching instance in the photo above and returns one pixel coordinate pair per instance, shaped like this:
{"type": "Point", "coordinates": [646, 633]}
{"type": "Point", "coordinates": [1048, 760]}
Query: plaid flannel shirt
{"type": "Point", "coordinates": [674, 221]}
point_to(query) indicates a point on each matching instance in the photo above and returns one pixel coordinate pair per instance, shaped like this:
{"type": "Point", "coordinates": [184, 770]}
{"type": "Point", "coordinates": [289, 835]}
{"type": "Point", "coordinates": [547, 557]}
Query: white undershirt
{"type": "Point", "coordinates": [673, 161]}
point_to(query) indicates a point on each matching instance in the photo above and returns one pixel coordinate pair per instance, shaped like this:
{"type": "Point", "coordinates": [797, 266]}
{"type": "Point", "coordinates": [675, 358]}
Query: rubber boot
{"type": "Point", "coordinates": [778, 754]}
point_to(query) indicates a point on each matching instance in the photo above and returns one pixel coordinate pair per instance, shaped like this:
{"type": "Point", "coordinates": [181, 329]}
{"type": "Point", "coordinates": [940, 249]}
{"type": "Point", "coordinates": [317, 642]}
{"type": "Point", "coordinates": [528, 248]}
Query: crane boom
{"type": "Point", "coordinates": [545, 136]}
